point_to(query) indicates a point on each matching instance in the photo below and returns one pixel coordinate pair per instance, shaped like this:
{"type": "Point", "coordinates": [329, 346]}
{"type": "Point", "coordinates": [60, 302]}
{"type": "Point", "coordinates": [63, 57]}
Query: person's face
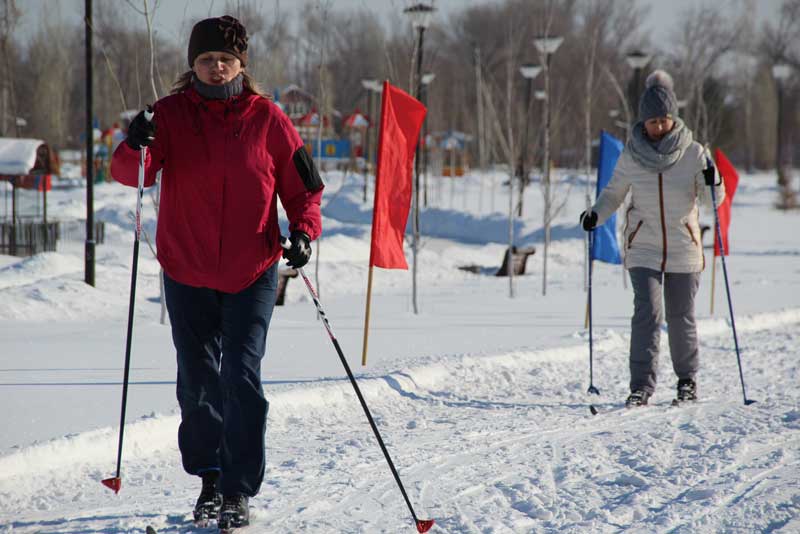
{"type": "Point", "coordinates": [658, 127]}
{"type": "Point", "coordinates": [216, 68]}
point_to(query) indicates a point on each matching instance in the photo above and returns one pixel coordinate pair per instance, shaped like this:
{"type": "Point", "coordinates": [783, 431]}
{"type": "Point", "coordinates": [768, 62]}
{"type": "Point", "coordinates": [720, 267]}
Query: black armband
{"type": "Point", "coordinates": [306, 169]}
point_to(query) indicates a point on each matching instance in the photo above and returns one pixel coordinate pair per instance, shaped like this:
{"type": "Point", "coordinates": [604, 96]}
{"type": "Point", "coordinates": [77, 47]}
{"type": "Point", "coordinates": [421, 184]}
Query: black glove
{"type": "Point", "coordinates": [141, 131]}
{"type": "Point", "coordinates": [299, 252]}
{"type": "Point", "coordinates": [708, 173]}
{"type": "Point", "coordinates": [588, 221]}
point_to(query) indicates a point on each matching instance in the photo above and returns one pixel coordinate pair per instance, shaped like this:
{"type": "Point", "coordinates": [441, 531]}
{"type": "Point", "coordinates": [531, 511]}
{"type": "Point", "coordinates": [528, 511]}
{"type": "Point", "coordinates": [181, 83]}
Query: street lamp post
{"type": "Point", "coordinates": [89, 245]}
{"type": "Point", "coordinates": [369, 85]}
{"type": "Point", "coordinates": [427, 78]}
{"type": "Point", "coordinates": [540, 95]}
{"type": "Point", "coordinates": [781, 73]}
{"type": "Point", "coordinates": [420, 15]}
{"type": "Point", "coordinates": [546, 47]}
{"type": "Point", "coordinates": [529, 72]}
{"type": "Point", "coordinates": [637, 60]}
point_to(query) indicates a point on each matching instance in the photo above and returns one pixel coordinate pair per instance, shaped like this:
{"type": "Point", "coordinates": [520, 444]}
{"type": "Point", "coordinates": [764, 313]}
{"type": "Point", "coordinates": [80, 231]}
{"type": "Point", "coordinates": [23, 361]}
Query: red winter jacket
{"type": "Point", "coordinates": [223, 164]}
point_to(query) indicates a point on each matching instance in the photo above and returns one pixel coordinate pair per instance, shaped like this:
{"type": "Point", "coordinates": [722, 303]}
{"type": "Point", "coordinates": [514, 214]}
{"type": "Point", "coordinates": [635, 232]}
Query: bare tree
{"type": "Point", "coordinates": [511, 62]}
{"type": "Point", "coordinates": [48, 72]}
{"type": "Point", "coordinates": [324, 8]}
{"type": "Point", "coordinates": [781, 41]}
{"type": "Point", "coordinates": [284, 50]}
{"type": "Point", "coordinates": [705, 36]}
{"type": "Point", "coordinates": [781, 44]}
{"type": "Point", "coordinates": [8, 20]}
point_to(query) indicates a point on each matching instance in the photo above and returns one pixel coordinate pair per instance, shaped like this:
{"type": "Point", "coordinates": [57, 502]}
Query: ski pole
{"type": "Point", "coordinates": [423, 525]}
{"type": "Point", "coordinates": [710, 169]}
{"type": "Point", "coordinates": [592, 389]}
{"type": "Point", "coordinates": [115, 483]}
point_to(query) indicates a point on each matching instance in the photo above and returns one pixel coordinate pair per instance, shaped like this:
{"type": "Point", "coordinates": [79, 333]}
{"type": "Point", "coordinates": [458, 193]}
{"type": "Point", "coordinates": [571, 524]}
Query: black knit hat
{"type": "Point", "coordinates": [218, 34]}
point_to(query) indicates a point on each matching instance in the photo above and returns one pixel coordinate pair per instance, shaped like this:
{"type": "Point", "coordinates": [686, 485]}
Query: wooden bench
{"type": "Point", "coordinates": [519, 258]}
{"type": "Point", "coordinates": [284, 273]}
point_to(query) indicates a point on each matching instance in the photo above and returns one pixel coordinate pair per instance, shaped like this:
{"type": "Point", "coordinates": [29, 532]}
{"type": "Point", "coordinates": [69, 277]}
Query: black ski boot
{"type": "Point", "coordinates": [234, 513]}
{"type": "Point", "coordinates": [637, 398]}
{"type": "Point", "coordinates": [687, 391]}
{"type": "Point", "coordinates": [209, 501]}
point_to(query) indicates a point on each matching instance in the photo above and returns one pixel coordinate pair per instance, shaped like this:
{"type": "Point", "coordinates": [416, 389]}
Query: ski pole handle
{"type": "Point", "coordinates": [709, 173]}
{"type": "Point", "coordinates": [148, 115]}
{"type": "Point", "coordinates": [140, 192]}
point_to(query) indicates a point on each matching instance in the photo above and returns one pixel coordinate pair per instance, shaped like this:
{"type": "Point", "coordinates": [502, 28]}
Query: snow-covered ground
{"type": "Point", "coordinates": [481, 398]}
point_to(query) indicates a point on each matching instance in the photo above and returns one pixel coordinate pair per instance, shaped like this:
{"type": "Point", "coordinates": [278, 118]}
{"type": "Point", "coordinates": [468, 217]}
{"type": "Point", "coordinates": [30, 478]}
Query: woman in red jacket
{"type": "Point", "coordinates": [225, 153]}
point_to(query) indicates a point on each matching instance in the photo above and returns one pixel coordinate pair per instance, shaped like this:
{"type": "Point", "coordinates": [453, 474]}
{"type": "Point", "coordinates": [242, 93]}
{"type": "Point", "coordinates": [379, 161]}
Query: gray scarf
{"type": "Point", "coordinates": [219, 92]}
{"type": "Point", "coordinates": [660, 155]}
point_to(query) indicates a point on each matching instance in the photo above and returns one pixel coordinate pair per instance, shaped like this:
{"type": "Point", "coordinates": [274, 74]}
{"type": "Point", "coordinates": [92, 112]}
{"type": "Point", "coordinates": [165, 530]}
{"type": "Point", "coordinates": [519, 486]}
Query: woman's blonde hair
{"type": "Point", "coordinates": [184, 81]}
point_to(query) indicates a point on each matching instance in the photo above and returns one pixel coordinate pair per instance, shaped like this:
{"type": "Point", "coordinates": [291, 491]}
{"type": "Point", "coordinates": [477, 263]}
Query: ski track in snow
{"type": "Point", "coordinates": [484, 444]}
{"type": "Point", "coordinates": [486, 439]}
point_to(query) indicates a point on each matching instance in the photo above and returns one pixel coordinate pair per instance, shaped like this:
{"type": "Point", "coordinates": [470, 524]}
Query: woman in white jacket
{"type": "Point", "coordinates": [662, 167]}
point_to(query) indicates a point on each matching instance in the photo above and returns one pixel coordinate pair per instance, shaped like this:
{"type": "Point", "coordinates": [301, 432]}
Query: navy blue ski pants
{"type": "Point", "coordinates": [220, 339]}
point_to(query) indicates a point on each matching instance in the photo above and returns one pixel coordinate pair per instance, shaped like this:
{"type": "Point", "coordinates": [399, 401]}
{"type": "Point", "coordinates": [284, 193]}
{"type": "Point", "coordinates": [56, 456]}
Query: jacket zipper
{"type": "Point", "coordinates": [663, 223]}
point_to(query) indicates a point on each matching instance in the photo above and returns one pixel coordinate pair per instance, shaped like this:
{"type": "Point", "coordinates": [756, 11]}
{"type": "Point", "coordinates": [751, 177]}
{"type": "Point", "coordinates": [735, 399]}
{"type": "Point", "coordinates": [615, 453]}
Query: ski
{"type": "Point", "coordinates": [234, 530]}
{"type": "Point", "coordinates": [608, 409]}
{"type": "Point", "coordinates": [623, 409]}
{"type": "Point", "coordinates": [598, 410]}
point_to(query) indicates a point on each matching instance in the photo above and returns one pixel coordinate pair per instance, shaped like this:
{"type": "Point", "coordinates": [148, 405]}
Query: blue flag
{"type": "Point", "coordinates": [604, 245]}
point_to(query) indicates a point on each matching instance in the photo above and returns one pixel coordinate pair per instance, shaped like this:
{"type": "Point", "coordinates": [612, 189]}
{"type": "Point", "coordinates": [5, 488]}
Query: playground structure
{"type": "Point", "coordinates": [26, 169]}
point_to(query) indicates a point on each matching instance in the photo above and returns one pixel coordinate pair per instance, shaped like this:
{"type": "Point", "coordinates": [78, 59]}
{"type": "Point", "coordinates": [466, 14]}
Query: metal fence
{"type": "Point", "coordinates": [26, 238]}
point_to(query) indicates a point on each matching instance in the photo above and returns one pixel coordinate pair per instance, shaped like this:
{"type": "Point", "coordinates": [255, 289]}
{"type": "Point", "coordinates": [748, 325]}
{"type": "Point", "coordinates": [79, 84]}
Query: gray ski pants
{"type": "Point", "coordinates": [679, 290]}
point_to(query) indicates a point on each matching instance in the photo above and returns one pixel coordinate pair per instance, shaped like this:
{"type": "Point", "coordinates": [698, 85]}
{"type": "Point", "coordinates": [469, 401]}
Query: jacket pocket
{"type": "Point", "coordinates": [691, 234]}
{"type": "Point", "coordinates": [633, 234]}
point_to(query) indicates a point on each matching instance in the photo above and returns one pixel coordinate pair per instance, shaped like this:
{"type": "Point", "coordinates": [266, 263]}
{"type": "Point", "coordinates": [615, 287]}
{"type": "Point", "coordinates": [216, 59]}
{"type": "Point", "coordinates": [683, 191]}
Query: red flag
{"type": "Point", "coordinates": [731, 180]}
{"type": "Point", "coordinates": [401, 120]}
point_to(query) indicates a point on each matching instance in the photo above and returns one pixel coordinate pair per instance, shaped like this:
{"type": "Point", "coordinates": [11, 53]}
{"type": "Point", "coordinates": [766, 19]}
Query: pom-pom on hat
{"type": "Point", "coordinates": [658, 99]}
{"type": "Point", "coordinates": [218, 34]}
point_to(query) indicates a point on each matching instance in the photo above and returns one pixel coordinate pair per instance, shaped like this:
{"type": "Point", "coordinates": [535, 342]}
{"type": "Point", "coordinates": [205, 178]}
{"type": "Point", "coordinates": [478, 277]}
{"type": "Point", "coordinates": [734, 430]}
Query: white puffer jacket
{"type": "Point", "coordinates": [662, 230]}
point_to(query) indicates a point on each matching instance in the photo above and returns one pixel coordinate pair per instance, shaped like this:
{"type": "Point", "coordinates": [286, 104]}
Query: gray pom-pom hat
{"type": "Point", "coordinates": [658, 99]}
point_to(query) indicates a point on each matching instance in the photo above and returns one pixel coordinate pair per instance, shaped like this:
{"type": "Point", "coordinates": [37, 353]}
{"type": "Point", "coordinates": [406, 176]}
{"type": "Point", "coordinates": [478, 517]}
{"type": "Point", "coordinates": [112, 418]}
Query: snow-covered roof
{"type": "Point", "coordinates": [356, 120]}
{"type": "Point", "coordinates": [18, 156]}
{"type": "Point", "coordinates": [312, 119]}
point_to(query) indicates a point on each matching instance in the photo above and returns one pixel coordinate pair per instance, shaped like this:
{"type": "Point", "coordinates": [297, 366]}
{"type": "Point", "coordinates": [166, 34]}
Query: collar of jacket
{"type": "Point", "coordinates": [235, 103]}
{"type": "Point", "coordinates": [219, 92]}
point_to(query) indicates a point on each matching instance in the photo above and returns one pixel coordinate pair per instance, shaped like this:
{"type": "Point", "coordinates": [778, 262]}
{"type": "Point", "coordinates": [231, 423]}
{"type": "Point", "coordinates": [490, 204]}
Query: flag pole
{"type": "Point", "coordinates": [366, 318]}
{"type": "Point", "coordinates": [713, 279]}
{"type": "Point", "coordinates": [586, 317]}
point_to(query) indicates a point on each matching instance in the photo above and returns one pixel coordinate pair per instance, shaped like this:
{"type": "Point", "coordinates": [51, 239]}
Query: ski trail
{"type": "Point", "coordinates": [496, 444]}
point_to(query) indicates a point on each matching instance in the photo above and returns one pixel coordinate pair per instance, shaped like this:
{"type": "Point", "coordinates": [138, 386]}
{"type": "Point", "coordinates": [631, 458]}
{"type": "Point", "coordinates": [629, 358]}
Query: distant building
{"type": "Point", "coordinates": [296, 102]}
